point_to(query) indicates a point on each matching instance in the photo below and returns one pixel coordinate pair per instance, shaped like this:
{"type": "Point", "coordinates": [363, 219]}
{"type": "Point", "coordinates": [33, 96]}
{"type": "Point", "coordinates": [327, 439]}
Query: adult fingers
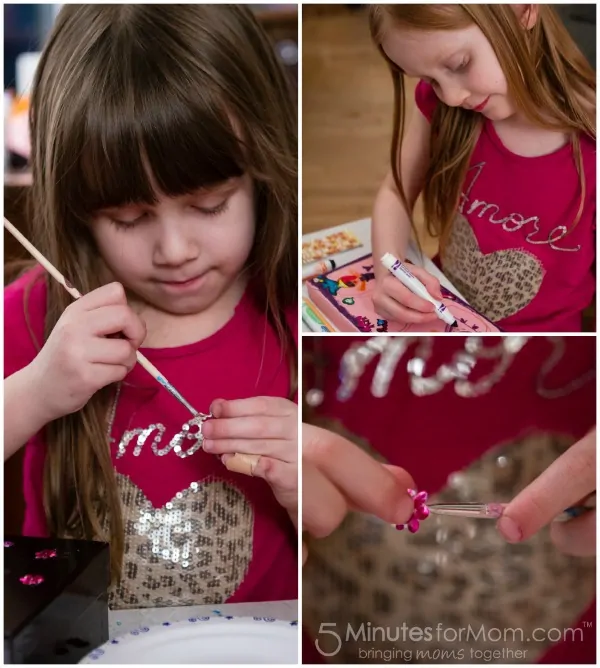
{"type": "Point", "coordinates": [323, 505]}
{"type": "Point", "coordinates": [576, 537]}
{"type": "Point", "coordinates": [364, 482]}
{"type": "Point", "coordinates": [564, 483]}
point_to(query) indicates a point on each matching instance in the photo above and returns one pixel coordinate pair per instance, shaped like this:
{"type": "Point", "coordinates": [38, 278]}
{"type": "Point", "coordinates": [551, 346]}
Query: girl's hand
{"type": "Point", "coordinates": [395, 302]}
{"type": "Point", "coordinates": [264, 426]}
{"type": "Point", "coordinates": [78, 358]}
{"type": "Point", "coordinates": [563, 484]}
{"type": "Point", "coordinates": [337, 477]}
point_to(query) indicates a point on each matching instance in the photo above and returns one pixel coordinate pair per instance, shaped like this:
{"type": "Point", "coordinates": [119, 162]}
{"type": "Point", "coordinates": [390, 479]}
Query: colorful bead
{"type": "Point", "coordinates": [8, 543]}
{"type": "Point", "coordinates": [420, 512]}
{"type": "Point", "coordinates": [421, 498]}
{"type": "Point", "coordinates": [32, 579]}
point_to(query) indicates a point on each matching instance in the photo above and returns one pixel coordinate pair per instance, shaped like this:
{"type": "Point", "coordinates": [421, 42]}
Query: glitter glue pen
{"type": "Point", "coordinates": [494, 511]}
{"type": "Point", "coordinates": [400, 271]}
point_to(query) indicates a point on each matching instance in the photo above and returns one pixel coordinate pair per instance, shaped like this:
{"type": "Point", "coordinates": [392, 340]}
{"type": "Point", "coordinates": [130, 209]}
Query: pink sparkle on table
{"type": "Point", "coordinates": [45, 554]}
{"type": "Point", "coordinates": [32, 579]}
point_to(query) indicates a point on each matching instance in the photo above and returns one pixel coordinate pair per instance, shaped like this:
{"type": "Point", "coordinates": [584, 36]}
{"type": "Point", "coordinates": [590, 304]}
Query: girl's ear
{"type": "Point", "coordinates": [527, 15]}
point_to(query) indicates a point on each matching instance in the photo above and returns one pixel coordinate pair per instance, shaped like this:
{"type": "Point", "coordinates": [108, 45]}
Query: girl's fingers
{"type": "Point", "coordinates": [563, 484]}
{"type": "Point", "coordinates": [246, 428]}
{"type": "Point", "coordinates": [281, 476]}
{"type": "Point", "coordinates": [364, 482]}
{"type": "Point", "coordinates": [576, 537]}
{"type": "Point", "coordinates": [429, 281]}
{"type": "Point", "coordinates": [112, 351]}
{"type": "Point", "coordinates": [112, 293]}
{"type": "Point", "coordinates": [323, 505]}
{"type": "Point", "coordinates": [268, 406]}
{"type": "Point", "coordinates": [116, 319]}
{"type": "Point", "coordinates": [285, 451]}
{"type": "Point", "coordinates": [396, 312]}
{"type": "Point", "coordinates": [401, 294]}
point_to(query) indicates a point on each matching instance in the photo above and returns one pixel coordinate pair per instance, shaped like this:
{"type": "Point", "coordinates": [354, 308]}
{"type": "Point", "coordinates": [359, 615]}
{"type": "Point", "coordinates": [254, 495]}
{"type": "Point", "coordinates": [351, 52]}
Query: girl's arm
{"type": "Point", "coordinates": [24, 416]}
{"type": "Point", "coordinates": [391, 227]}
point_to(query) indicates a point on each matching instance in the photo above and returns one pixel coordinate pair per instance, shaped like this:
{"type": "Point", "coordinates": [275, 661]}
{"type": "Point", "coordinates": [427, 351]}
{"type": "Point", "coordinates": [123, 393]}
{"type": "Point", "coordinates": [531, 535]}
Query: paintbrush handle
{"type": "Point", "coordinates": [48, 266]}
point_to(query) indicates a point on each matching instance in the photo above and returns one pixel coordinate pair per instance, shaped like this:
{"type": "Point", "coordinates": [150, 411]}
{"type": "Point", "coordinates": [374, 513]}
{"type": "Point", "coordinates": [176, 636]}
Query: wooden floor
{"type": "Point", "coordinates": [346, 119]}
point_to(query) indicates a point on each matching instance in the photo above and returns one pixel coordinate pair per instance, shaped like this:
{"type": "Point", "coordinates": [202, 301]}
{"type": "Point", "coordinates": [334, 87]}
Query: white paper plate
{"type": "Point", "coordinates": [201, 640]}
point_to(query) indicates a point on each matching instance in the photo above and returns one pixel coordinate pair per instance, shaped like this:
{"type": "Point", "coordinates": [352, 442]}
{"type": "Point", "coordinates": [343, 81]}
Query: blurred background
{"type": "Point", "coordinates": [347, 112]}
{"type": "Point", "coordinates": [26, 27]}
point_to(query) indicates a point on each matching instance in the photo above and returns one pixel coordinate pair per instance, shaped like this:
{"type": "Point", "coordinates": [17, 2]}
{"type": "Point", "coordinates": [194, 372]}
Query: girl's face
{"type": "Point", "coordinates": [460, 65]}
{"type": "Point", "coordinates": [183, 253]}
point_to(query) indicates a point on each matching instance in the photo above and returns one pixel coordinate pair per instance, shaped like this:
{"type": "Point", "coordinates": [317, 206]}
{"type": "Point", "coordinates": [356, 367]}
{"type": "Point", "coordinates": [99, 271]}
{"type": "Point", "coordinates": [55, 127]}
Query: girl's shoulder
{"type": "Point", "coordinates": [24, 315]}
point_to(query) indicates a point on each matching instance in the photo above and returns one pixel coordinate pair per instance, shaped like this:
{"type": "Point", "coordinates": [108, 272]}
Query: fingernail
{"type": "Point", "coordinates": [509, 529]}
{"type": "Point", "coordinates": [215, 408]}
{"type": "Point", "coordinates": [207, 445]}
{"type": "Point", "coordinates": [226, 457]}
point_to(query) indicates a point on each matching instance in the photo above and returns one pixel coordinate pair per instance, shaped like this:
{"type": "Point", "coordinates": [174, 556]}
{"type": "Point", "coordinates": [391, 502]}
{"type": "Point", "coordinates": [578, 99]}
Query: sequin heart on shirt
{"type": "Point", "coordinates": [194, 550]}
{"type": "Point", "coordinates": [497, 284]}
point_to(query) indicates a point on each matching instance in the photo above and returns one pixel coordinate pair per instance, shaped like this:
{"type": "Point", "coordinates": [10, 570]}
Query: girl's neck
{"type": "Point", "coordinates": [168, 330]}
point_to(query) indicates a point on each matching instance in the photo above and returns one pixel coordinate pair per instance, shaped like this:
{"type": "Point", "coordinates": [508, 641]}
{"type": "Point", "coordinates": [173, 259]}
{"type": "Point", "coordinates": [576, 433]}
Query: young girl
{"type": "Point", "coordinates": [502, 146]}
{"type": "Point", "coordinates": [164, 172]}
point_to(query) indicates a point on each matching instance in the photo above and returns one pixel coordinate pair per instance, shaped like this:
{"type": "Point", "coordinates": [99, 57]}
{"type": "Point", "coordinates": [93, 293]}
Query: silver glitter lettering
{"type": "Point", "coordinates": [176, 443]}
{"type": "Point", "coordinates": [513, 222]}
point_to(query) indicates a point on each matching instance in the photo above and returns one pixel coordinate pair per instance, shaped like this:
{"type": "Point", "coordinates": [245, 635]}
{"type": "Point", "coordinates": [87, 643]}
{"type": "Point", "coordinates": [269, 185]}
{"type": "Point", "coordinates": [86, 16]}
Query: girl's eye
{"type": "Point", "coordinates": [128, 224]}
{"type": "Point", "coordinates": [213, 211]}
{"type": "Point", "coordinates": [462, 66]}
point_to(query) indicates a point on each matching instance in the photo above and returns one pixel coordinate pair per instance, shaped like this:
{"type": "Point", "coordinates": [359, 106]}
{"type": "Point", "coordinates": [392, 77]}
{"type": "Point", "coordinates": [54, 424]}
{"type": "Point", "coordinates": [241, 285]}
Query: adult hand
{"type": "Point", "coordinates": [564, 483]}
{"type": "Point", "coordinates": [337, 476]}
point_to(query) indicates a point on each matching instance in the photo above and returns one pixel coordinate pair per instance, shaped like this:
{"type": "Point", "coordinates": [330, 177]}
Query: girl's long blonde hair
{"type": "Point", "coordinates": [186, 95]}
{"type": "Point", "coordinates": [544, 70]}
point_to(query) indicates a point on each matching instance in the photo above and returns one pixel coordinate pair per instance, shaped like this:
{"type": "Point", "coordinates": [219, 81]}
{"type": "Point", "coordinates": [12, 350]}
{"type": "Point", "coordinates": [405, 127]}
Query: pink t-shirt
{"type": "Point", "coordinates": [195, 532]}
{"type": "Point", "coordinates": [508, 253]}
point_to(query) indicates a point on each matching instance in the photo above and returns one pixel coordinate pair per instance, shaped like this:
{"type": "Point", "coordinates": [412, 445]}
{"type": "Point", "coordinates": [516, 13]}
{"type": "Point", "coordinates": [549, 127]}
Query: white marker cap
{"type": "Point", "coordinates": [388, 260]}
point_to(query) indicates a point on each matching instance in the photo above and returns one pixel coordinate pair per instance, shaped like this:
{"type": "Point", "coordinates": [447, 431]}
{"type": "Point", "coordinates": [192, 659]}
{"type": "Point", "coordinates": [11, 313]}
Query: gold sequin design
{"type": "Point", "coordinates": [497, 284]}
{"type": "Point", "coordinates": [195, 550]}
{"type": "Point", "coordinates": [454, 572]}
